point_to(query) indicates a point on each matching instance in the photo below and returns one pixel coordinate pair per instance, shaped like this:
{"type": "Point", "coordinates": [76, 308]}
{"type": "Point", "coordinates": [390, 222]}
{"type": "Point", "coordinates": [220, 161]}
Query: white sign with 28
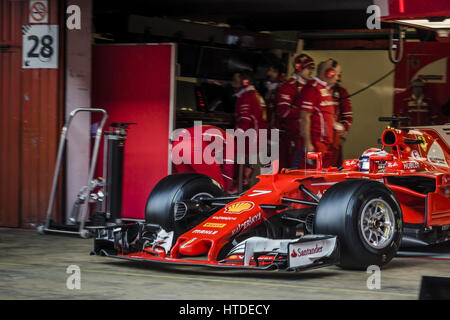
{"type": "Point", "coordinates": [40, 46]}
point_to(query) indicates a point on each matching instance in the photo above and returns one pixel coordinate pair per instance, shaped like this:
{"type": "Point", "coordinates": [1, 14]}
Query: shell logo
{"type": "Point", "coordinates": [239, 207]}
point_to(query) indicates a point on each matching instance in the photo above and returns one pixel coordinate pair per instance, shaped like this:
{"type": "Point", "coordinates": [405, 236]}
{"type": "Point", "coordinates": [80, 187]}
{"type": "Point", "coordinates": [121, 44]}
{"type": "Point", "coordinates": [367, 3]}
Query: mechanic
{"type": "Point", "coordinates": [287, 108]}
{"type": "Point", "coordinates": [417, 107]}
{"type": "Point", "coordinates": [317, 114]}
{"type": "Point", "coordinates": [268, 89]}
{"type": "Point", "coordinates": [250, 113]}
{"type": "Point", "coordinates": [343, 117]}
{"type": "Point", "coordinates": [205, 138]}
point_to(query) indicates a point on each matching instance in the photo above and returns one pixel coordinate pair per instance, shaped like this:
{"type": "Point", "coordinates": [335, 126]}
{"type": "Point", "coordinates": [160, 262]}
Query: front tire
{"type": "Point", "coordinates": [160, 207]}
{"type": "Point", "coordinates": [366, 217]}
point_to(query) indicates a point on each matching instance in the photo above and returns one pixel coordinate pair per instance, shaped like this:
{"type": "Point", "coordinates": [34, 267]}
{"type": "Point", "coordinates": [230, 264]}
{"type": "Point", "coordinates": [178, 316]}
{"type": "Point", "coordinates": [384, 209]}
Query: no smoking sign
{"type": "Point", "coordinates": [38, 11]}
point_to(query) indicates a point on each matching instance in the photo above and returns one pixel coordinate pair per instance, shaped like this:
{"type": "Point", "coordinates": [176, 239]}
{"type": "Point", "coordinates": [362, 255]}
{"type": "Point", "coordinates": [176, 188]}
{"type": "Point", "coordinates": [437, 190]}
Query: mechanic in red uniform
{"type": "Point", "coordinates": [343, 117]}
{"type": "Point", "coordinates": [417, 107]}
{"type": "Point", "coordinates": [268, 89]}
{"type": "Point", "coordinates": [287, 108]}
{"type": "Point", "coordinates": [250, 113]}
{"type": "Point", "coordinates": [317, 112]}
{"type": "Point", "coordinates": [220, 167]}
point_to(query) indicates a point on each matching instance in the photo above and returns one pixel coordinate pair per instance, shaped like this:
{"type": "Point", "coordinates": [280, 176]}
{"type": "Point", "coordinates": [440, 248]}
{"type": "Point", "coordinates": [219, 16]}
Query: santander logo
{"type": "Point", "coordinates": [306, 252]}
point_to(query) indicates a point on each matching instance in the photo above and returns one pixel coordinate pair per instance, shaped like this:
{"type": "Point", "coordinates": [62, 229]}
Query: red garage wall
{"type": "Point", "coordinates": [419, 59]}
{"type": "Point", "coordinates": [134, 83]}
{"type": "Point", "coordinates": [31, 113]}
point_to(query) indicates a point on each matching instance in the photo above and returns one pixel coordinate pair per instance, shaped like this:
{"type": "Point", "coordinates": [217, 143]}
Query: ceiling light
{"type": "Point", "coordinates": [426, 23]}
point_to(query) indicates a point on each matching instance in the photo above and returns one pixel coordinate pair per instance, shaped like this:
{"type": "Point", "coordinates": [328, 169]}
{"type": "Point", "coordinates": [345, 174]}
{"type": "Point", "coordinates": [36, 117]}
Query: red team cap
{"type": "Point", "coordinates": [303, 61]}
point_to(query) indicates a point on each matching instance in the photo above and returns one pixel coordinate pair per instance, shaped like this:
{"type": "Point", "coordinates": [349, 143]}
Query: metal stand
{"type": "Point", "coordinates": [49, 226]}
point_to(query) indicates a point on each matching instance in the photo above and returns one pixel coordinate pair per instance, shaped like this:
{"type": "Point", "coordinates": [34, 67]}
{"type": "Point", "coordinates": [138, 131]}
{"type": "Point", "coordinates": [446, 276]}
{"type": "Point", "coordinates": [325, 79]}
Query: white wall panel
{"type": "Point", "coordinates": [360, 68]}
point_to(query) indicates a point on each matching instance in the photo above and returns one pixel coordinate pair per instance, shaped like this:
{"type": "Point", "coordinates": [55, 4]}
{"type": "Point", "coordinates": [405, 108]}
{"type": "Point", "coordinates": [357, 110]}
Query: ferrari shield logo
{"type": "Point", "coordinates": [424, 143]}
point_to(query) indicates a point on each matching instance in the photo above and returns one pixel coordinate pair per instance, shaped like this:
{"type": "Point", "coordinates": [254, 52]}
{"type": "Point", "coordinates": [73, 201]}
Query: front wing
{"type": "Point", "coordinates": [151, 243]}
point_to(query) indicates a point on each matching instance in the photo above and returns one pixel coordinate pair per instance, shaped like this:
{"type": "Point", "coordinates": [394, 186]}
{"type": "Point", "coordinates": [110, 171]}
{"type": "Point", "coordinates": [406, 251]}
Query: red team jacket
{"type": "Point", "coordinates": [250, 113]}
{"type": "Point", "coordinates": [344, 113]}
{"type": "Point", "coordinates": [288, 106]}
{"type": "Point", "coordinates": [250, 110]}
{"type": "Point", "coordinates": [317, 99]}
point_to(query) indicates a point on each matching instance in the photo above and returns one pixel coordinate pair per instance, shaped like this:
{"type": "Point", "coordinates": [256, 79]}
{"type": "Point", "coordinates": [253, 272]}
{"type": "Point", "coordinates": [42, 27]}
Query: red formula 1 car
{"type": "Point", "coordinates": [354, 216]}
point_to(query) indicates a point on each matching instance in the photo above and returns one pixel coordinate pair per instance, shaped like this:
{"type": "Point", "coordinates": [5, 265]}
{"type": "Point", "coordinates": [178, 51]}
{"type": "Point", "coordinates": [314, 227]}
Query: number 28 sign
{"type": "Point", "coordinates": [40, 46]}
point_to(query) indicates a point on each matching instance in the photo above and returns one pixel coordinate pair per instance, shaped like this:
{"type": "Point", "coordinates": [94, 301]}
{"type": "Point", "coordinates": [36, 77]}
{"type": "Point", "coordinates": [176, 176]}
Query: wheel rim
{"type": "Point", "coordinates": [202, 194]}
{"type": "Point", "coordinates": [377, 223]}
{"type": "Point", "coordinates": [180, 208]}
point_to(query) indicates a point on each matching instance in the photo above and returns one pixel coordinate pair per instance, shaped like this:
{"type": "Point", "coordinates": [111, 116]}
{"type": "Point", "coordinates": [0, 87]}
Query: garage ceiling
{"type": "Point", "coordinates": [255, 15]}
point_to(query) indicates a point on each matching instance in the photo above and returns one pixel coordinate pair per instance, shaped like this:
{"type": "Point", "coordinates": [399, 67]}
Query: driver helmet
{"type": "Point", "coordinates": [364, 160]}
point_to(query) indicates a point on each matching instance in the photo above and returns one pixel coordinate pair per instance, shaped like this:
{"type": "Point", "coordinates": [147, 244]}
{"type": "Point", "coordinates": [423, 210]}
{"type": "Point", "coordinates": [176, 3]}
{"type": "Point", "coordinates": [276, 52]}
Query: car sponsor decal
{"type": "Point", "coordinates": [247, 224]}
{"type": "Point", "coordinates": [415, 154]}
{"type": "Point", "coordinates": [223, 218]}
{"type": "Point", "coordinates": [411, 165]}
{"type": "Point", "coordinates": [236, 257]}
{"type": "Point", "coordinates": [205, 231]}
{"type": "Point", "coordinates": [299, 252]}
{"type": "Point", "coordinates": [305, 253]}
{"type": "Point", "coordinates": [392, 165]}
{"type": "Point", "coordinates": [214, 225]}
{"type": "Point", "coordinates": [239, 207]}
{"type": "Point", "coordinates": [348, 163]}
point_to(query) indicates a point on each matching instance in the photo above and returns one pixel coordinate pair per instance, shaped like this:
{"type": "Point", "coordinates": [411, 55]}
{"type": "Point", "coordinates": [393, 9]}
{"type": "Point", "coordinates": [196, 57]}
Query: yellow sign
{"type": "Point", "coordinates": [214, 225]}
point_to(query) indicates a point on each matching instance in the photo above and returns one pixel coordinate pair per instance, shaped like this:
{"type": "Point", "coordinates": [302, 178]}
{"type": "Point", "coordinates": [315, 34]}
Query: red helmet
{"type": "Point", "coordinates": [303, 61]}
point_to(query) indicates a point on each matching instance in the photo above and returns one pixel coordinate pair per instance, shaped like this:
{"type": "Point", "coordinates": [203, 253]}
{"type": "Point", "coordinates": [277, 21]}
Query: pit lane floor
{"type": "Point", "coordinates": [34, 266]}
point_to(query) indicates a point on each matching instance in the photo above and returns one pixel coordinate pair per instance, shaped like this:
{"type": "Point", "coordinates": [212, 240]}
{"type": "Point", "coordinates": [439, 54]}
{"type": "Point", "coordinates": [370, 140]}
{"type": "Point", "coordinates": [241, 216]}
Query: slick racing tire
{"type": "Point", "coordinates": [366, 217]}
{"type": "Point", "coordinates": [160, 207]}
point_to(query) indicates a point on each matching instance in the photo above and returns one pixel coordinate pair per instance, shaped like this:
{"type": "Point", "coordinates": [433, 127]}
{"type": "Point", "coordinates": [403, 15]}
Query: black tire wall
{"type": "Point", "coordinates": [339, 213]}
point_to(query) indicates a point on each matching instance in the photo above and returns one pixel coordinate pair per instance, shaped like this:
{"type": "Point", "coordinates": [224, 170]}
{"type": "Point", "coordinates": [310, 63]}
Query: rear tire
{"type": "Point", "coordinates": [172, 189]}
{"type": "Point", "coordinates": [366, 217]}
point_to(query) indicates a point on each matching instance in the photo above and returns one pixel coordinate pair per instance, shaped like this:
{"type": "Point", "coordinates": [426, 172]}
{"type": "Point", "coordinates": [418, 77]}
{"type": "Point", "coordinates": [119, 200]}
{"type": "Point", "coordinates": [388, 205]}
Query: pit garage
{"type": "Point", "coordinates": [100, 199]}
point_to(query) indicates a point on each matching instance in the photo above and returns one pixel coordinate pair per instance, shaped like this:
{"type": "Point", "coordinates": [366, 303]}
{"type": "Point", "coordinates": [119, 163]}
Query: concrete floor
{"type": "Point", "coordinates": [34, 266]}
